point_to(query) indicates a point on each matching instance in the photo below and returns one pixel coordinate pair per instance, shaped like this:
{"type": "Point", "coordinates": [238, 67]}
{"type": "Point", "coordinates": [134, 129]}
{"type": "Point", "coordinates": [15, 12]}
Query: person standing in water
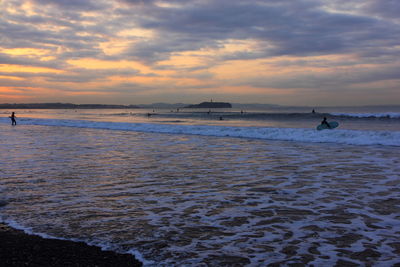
{"type": "Point", "coordinates": [12, 117]}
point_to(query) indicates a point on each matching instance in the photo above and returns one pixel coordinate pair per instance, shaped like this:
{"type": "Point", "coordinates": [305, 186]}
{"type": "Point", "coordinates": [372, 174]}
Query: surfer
{"type": "Point", "coordinates": [325, 122]}
{"type": "Point", "coordinates": [313, 111]}
{"type": "Point", "coordinates": [12, 117]}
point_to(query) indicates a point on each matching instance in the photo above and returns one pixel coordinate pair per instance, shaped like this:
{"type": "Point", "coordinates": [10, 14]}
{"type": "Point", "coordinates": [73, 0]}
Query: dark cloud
{"type": "Point", "coordinates": [77, 75]}
{"type": "Point", "coordinates": [84, 75]}
{"type": "Point", "coordinates": [14, 83]}
{"type": "Point", "coordinates": [301, 28]}
{"type": "Point", "coordinates": [31, 62]}
{"type": "Point", "coordinates": [326, 81]}
{"type": "Point", "coordinates": [366, 30]}
{"type": "Point", "coordinates": [87, 5]}
{"type": "Point", "coordinates": [138, 2]}
{"type": "Point", "coordinates": [152, 2]}
{"type": "Point", "coordinates": [383, 8]}
{"type": "Point", "coordinates": [297, 28]}
{"type": "Point", "coordinates": [22, 35]}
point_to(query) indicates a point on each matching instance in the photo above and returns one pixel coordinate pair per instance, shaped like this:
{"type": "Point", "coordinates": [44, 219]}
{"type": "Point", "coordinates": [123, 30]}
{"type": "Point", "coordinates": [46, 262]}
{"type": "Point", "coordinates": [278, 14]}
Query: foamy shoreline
{"type": "Point", "coordinates": [339, 136]}
{"type": "Point", "coordinates": [190, 200]}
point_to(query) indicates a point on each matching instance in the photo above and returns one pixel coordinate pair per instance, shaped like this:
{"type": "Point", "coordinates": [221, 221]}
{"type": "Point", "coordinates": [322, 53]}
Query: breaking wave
{"type": "Point", "coordinates": [353, 137]}
{"type": "Point", "coordinates": [386, 115]}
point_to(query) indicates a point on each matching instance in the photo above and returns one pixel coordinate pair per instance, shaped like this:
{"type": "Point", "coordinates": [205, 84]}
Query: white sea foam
{"type": "Point", "coordinates": [185, 200]}
{"type": "Point", "coordinates": [29, 231]}
{"type": "Point", "coordinates": [390, 115]}
{"type": "Point", "coordinates": [353, 137]}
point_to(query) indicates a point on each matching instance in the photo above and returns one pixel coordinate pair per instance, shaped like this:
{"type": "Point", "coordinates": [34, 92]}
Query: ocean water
{"type": "Point", "coordinates": [188, 189]}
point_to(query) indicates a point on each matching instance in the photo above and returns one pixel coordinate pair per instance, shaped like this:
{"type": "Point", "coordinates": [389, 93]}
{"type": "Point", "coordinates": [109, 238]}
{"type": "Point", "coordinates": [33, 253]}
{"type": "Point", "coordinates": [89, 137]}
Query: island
{"type": "Point", "coordinates": [210, 105]}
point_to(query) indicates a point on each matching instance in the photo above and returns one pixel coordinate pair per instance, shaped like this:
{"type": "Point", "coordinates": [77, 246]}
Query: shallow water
{"type": "Point", "coordinates": [350, 119]}
{"type": "Point", "coordinates": [195, 200]}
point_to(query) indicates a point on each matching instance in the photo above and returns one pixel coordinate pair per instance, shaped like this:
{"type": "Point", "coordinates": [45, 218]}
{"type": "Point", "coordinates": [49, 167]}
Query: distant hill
{"type": "Point", "coordinates": [210, 105]}
{"type": "Point", "coordinates": [62, 106]}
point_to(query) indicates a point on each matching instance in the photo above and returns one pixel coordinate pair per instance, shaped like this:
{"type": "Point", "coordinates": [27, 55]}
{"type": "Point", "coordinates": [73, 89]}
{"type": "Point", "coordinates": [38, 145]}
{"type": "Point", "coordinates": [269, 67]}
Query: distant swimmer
{"type": "Point", "coordinates": [12, 117]}
{"type": "Point", "coordinates": [324, 122]}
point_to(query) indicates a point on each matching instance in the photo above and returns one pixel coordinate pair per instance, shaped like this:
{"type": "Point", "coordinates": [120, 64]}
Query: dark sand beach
{"type": "Point", "coordinates": [20, 249]}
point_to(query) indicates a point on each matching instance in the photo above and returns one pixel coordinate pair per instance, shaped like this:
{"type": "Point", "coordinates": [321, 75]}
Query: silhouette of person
{"type": "Point", "coordinates": [12, 117]}
{"type": "Point", "coordinates": [313, 111]}
{"type": "Point", "coordinates": [325, 122]}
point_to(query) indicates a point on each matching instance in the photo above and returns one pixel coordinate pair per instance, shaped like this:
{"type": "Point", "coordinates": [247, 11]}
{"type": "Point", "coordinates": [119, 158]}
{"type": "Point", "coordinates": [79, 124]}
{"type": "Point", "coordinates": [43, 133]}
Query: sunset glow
{"type": "Point", "coordinates": [139, 52]}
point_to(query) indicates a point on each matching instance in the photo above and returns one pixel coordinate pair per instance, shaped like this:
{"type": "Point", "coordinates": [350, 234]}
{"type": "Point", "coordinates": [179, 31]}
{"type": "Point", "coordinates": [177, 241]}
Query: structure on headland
{"type": "Point", "coordinates": [211, 105]}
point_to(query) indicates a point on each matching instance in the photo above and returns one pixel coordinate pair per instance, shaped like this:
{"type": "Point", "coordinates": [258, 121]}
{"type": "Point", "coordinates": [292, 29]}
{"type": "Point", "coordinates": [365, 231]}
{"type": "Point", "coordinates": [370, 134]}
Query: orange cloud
{"type": "Point", "coordinates": [24, 51]}
{"type": "Point", "coordinates": [18, 68]}
{"type": "Point", "coordinates": [93, 64]}
{"type": "Point", "coordinates": [11, 78]}
{"type": "Point", "coordinates": [247, 90]}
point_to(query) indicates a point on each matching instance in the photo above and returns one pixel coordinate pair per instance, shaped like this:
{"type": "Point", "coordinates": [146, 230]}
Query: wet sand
{"type": "Point", "coordinates": [20, 249]}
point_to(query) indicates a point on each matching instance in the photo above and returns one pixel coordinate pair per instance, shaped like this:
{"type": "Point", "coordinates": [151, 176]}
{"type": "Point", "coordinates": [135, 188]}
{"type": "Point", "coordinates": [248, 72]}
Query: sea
{"type": "Point", "coordinates": [218, 187]}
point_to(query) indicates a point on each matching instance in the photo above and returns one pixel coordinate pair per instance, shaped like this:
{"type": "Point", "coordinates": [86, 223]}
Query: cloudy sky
{"type": "Point", "coordinates": [290, 52]}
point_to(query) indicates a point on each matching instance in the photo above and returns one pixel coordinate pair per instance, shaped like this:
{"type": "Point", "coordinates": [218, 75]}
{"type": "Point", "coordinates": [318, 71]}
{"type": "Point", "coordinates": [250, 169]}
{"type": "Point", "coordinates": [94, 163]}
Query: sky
{"type": "Point", "coordinates": [287, 52]}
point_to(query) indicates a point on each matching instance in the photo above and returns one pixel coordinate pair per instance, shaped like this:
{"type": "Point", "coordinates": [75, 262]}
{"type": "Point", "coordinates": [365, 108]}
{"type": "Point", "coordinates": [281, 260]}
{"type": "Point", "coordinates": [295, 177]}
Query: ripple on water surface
{"type": "Point", "coordinates": [203, 200]}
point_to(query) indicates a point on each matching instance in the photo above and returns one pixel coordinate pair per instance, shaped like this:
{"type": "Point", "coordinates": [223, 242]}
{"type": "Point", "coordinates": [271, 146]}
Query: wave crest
{"type": "Point", "coordinates": [352, 137]}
